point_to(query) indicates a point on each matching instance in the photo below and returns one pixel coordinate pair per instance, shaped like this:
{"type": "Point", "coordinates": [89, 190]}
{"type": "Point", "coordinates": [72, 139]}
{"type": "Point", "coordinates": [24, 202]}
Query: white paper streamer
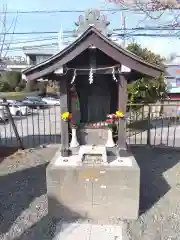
{"type": "Point", "coordinates": [74, 77]}
{"type": "Point", "coordinates": [113, 75]}
{"type": "Point", "coordinates": [91, 76]}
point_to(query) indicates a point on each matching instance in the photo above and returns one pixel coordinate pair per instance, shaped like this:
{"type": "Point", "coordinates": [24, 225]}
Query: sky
{"type": "Point", "coordinates": [54, 21]}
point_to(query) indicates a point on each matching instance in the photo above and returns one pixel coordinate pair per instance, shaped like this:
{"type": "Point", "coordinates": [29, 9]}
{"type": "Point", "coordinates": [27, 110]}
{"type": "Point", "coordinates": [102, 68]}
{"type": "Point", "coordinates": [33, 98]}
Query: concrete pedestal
{"type": "Point", "coordinates": [102, 194]}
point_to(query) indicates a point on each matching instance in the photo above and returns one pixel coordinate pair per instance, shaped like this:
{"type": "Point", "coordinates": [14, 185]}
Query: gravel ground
{"type": "Point", "coordinates": [160, 195]}
{"type": "Point", "coordinates": [23, 202]}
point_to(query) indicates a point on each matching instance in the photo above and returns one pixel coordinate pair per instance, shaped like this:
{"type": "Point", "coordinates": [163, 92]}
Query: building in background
{"type": "Point", "coordinates": [32, 55]}
{"type": "Point", "coordinates": [172, 78]}
{"type": "Point", "coordinates": [37, 54]}
{"type": "Point", "coordinates": [14, 63]}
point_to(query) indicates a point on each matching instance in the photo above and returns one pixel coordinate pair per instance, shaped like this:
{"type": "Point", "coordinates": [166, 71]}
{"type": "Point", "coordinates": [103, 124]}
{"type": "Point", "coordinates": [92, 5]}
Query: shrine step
{"type": "Point", "coordinates": [84, 231]}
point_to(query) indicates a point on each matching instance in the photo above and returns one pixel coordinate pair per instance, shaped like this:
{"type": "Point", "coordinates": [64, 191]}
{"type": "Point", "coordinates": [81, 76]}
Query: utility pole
{"type": "Point", "coordinates": [60, 38]}
{"type": "Point", "coordinates": [123, 20]}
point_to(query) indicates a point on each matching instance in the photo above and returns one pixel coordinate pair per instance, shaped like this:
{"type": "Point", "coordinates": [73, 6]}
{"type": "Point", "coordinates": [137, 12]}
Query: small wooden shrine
{"type": "Point", "coordinates": [92, 72]}
{"type": "Point", "coordinates": [96, 174]}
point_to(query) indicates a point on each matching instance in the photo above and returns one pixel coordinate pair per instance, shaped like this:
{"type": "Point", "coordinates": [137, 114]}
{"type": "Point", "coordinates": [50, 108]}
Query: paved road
{"type": "Point", "coordinates": [40, 127]}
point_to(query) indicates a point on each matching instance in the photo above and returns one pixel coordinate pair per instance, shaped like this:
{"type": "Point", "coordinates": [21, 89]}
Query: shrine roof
{"type": "Point", "coordinates": [93, 37]}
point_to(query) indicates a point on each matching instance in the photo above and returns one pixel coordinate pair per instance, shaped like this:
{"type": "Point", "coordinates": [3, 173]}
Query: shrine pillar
{"type": "Point", "coordinates": [63, 94]}
{"type": "Point", "coordinates": [122, 102]}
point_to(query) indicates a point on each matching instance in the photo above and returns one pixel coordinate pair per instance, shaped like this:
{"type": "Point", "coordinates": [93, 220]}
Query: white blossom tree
{"type": "Point", "coordinates": [149, 7]}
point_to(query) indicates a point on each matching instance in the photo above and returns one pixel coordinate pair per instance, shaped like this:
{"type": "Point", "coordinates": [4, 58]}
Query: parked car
{"type": "Point", "coordinates": [3, 114]}
{"type": "Point", "coordinates": [3, 111]}
{"type": "Point", "coordinates": [11, 101]}
{"type": "Point", "coordinates": [51, 101]}
{"type": "Point", "coordinates": [49, 94]}
{"type": "Point", "coordinates": [34, 102]}
{"type": "Point", "coordinates": [18, 109]}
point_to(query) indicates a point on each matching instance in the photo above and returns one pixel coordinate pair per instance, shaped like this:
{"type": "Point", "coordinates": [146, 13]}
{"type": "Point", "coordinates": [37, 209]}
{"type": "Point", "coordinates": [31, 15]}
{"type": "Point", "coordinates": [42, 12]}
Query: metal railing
{"type": "Point", "coordinates": [154, 124]}
{"type": "Point", "coordinates": [146, 124]}
{"type": "Point", "coordinates": [36, 126]}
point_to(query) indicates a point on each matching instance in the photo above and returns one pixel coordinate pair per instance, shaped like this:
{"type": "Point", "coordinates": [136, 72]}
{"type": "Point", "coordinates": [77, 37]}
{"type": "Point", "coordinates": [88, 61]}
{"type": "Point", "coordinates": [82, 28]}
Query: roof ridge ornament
{"type": "Point", "coordinates": [92, 46]}
{"type": "Point", "coordinates": [92, 17]}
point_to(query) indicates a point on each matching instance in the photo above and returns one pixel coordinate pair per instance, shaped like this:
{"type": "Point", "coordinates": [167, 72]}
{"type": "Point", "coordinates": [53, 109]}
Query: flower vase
{"type": "Point", "coordinates": [74, 141]}
{"type": "Point", "coordinates": [110, 142]}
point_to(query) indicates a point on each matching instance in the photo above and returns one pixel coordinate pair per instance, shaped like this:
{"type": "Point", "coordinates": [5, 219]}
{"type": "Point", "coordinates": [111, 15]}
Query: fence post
{"type": "Point", "coordinates": [13, 125]}
{"type": "Point", "coordinates": [149, 126]}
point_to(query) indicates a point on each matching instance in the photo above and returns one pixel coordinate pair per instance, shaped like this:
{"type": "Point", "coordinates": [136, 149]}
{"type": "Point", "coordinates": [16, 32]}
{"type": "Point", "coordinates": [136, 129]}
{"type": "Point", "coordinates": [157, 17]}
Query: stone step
{"type": "Point", "coordinates": [88, 231]}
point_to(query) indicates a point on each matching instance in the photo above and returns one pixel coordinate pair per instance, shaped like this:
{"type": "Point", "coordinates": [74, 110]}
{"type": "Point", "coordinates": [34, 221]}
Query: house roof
{"type": "Point", "coordinates": [93, 37]}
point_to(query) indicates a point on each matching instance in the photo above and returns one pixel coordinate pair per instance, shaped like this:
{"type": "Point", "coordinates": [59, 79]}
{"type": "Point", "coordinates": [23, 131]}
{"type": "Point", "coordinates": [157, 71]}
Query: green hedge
{"type": "Point", "coordinates": [17, 95]}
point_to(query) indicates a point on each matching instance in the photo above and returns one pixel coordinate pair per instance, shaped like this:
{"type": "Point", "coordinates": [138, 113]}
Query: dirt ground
{"type": "Point", "coordinates": [23, 201]}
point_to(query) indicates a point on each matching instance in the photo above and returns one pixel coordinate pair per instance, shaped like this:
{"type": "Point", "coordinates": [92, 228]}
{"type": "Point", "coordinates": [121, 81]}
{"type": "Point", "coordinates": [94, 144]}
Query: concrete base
{"type": "Point", "coordinates": [102, 193]}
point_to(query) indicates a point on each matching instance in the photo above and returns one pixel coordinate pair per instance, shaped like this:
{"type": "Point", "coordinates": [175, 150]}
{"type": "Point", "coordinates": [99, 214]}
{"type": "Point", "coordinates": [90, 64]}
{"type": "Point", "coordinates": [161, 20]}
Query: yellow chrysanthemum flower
{"type": "Point", "coordinates": [119, 114]}
{"type": "Point", "coordinates": [65, 116]}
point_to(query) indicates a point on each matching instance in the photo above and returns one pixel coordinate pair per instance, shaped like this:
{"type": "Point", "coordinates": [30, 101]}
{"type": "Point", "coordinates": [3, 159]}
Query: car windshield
{"type": "Point", "coordinates": [52, 96]}
{"type": "Point", "coordinates": [33, 98]}
{"type": "Point", "coordinates": [19, 103]}
{"type": "Point", "coordinates": [13, 105]}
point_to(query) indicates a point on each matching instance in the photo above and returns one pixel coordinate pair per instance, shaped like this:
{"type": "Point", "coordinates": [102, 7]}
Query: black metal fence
{"type": "Point", "coordinates": [154, 125]}
{"type": "Point", "coordinates": [31, 127]}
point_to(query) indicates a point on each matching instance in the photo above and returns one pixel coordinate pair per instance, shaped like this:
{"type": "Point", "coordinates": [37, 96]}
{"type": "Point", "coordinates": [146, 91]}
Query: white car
{"type": "Point", "coordinates": [18, 110]}
{"type": "Point", "coordinates": [51, 101]}
{"type": "Point", "coordinates": [3, 114]}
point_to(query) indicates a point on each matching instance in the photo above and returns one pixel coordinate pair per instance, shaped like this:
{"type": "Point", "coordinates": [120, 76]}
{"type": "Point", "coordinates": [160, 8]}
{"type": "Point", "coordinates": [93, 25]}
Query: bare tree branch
{"type": "Point", "coordinates": [4, 21]}
{"type": "Point", "coordinates": [4, 30]}
{"type": "Point", "coordinates": [11, 38]}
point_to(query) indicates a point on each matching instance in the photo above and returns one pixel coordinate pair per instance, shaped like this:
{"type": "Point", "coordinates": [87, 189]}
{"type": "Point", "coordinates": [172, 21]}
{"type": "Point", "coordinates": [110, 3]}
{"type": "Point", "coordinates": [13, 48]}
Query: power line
{"type": "Point", "coordinates": [116, 29]}
{"type": "Point", "coordinates": [118, 35]}
{"type": "Point", "coordinates": [17, 40]}
{"type": "Point", "coordinates": [33, 40]}
{"type": "Point", "coordinates": [54, 11]}
{"type": "Point", "coordinates": [33, 32]}
{"type": "Point", "coordinates": [80, 11]}
{"type": "Point", "coordinates": [149, 29]}
{"type": "Point", "coordinates": [123, 34]}
{"type": "Point", "coordinates": [66, 11]}
{"type": "Point", "coordinates": [34, 47]}
{"type": "Point", "coordinates": [147, 35]}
